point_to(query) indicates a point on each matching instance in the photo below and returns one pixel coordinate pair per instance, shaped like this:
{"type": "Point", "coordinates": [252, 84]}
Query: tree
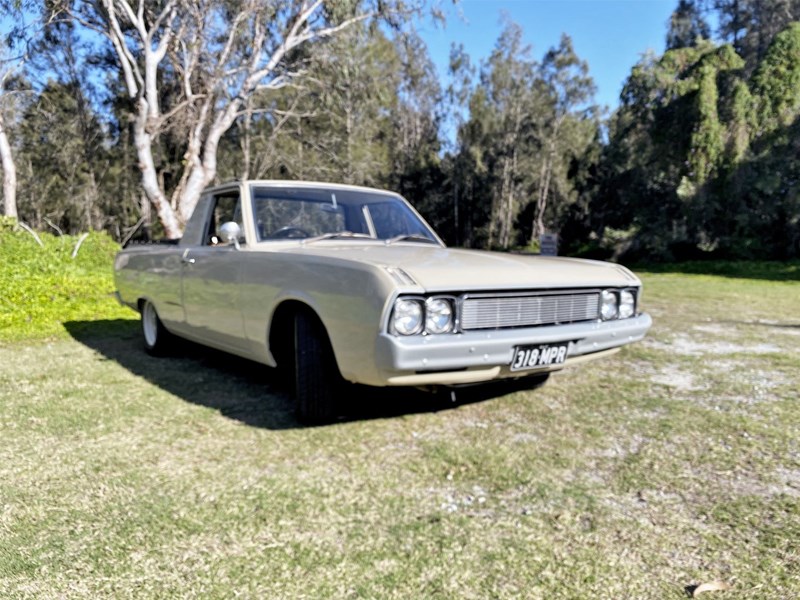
{"type": "Point", "coordinates": [509, 78]}
{"type": "Point", "coordinates": [212, 56]}
{"type": "Point", "coordinates": [341, 128]}
{"type": "Point", "coordinates": [750, 25]}
{"type": "Point", "coordinates": [525, 144]}
{"type": "Point", "coordinates": [13, 50]}
{"type": "Point", "coordinates": [62, 147]}
{"type": "Point", "coordinates": [687, 25]}
{"type": "Point", "coordinates": [7, 72]}
{"type": "Point", "coordinates": [702, 158]}
{"type": "Point", "coordinates": [569, 88]}
{"type": "Point", "coordinates": [777, 80]}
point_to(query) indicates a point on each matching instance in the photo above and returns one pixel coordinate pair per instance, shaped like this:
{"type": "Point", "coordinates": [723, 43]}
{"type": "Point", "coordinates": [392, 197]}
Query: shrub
{"type": "Point", "coordinates": [43, 287]}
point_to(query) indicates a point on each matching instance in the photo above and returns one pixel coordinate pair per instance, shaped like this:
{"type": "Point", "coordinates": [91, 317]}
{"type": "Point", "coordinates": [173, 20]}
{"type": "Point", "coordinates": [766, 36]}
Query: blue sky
{"type": "Point", "coordinates": [610, 35]}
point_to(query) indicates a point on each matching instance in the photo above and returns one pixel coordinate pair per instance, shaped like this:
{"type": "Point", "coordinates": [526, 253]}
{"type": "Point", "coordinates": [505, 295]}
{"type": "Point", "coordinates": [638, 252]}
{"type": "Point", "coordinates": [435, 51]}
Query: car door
{"type": "Point", "coordinates": [212, 281]}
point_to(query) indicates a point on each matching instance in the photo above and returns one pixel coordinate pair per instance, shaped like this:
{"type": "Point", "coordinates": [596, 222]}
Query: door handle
{"type": "Point", "coordinates": [187, 260]}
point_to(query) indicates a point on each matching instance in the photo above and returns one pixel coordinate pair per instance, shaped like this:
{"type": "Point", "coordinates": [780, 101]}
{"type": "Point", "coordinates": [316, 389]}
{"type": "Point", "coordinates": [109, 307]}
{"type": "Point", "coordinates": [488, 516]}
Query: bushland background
{"type": "Point", "coordinates": [112, 118]}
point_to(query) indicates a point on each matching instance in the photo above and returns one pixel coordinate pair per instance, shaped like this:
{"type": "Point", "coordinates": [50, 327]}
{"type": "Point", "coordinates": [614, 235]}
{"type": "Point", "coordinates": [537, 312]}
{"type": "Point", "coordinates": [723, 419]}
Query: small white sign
{"type": "Point", "coordinates": [548, 244]}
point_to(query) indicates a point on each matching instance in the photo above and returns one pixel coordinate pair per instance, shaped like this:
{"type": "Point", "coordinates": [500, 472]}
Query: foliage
{"type": "Point", "coordinates": [699, 161]}
{"type": "Point", "coordinates": [44, 286]}
{"type": "Point", "coordinates": [700, 157]}
{"type": "Point", "coordinates": [687, 25]}
{"type": "Point", "coordinates": [520, 153]}
{"type": "Point", "coordinates": [7, 224]}
{"type": "Point", "coordinates": [62, 158]}
{"type": "Point", "coordinates": [190, 69]}
{"type": "Point", "coordinates": [751, 25]}
{"type": "Point", "coordinates": [777, 81]}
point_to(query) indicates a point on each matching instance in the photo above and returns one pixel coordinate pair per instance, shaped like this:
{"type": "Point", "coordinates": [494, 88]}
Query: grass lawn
{"type": "Point", "coordinates": [672, 464]}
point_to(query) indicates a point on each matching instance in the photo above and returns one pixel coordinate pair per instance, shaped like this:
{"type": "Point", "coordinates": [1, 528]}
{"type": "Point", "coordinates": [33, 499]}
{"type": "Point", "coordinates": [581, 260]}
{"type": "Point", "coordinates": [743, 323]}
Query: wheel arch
{"type": "Point", "coordinates": [280, 339]}
{"type": "Point", "coordinates": [140, 304]}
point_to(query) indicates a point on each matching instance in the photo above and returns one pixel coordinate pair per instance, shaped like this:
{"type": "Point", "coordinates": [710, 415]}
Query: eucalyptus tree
{"type": "Point", "coordinates": [505, 102]}
{"type": "Point", "coordinates": [687, 25]}
{"type": "Point", "coordinates": [415, 164]}
{"type": "Point", "coordinates": [364, 113]}
{"type": "Point", "coordinates": [215, 55]}
{"type": "Point", "coordinates": [7, 77]}
{"type": "Point", "coordinates": [15, 36]}
{"type": "Point", "coordinates": [750, 25]}
{"type": "Point", "coordinates": [342, 129]}
{"type": "Point", "coordinates": [465, 169]}
{"type": "Point", "coordinates": [529, 124]}
{"type": "Point", "coordinates": [570, 126]}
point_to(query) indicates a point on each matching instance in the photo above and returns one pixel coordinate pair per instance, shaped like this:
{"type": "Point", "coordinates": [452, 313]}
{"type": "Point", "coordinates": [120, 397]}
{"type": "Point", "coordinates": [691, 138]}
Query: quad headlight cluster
{"type": "Point", "coordinates": [435, 315]}
{"type": "Point", "coordinates": [412, 316]}
{"type": "Point", "coordinates": [617, 304]}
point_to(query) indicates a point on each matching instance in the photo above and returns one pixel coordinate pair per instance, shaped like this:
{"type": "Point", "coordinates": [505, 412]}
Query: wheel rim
{"type": "Point", "coordinates": [150, 324]}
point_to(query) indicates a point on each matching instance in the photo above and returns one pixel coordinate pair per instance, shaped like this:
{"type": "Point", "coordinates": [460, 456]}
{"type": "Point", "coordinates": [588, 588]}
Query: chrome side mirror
{"type": "Point", "coordinates": [230, 232]}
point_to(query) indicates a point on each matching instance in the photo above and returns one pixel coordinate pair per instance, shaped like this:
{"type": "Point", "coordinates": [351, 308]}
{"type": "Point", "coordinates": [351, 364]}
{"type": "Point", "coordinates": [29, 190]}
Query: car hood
{"type": "Point", "coordinates": [447, 269]}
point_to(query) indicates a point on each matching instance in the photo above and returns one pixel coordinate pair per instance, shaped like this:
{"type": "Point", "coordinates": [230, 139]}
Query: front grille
{"type": "Point", "coordinates": [499, 312]}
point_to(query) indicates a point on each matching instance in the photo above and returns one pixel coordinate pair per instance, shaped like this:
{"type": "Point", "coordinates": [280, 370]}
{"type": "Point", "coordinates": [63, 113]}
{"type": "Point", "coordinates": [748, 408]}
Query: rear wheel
{"type": "Point", "coordinates": [157, 339]}
{"type": "Point", "coordinates": [316, 377]}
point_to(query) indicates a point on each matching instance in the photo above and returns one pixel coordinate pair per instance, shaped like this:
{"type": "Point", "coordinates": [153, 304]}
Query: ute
{"type": "Point", "coordinates": [333, 282]}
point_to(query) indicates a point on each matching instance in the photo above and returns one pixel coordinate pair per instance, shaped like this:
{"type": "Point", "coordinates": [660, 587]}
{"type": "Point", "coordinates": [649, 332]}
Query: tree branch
{"type": "Point", "coordinates": [32, 232]}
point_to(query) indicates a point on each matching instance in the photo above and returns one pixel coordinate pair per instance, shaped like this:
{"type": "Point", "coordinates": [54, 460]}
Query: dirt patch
{"type": "Point", "coordinates": [715, 329]}
{"type": "Point", "coordinates": [786, 483]}
{"type": "Point", "coordinates": [671, 376]}
{"type": "Point", "coordinates": [685, 346]}
{"type": "Point", "coordinates": [674, 377]}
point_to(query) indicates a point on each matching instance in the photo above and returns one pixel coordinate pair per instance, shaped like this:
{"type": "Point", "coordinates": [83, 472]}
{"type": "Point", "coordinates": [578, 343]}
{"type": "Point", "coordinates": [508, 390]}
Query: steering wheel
{"type": "Point", "coordinates": [288, 232]}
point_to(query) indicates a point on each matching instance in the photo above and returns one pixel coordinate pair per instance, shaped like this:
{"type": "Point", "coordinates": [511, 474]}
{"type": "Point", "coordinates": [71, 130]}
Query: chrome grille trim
{"type": "Point", "coordinates": [501, 311]}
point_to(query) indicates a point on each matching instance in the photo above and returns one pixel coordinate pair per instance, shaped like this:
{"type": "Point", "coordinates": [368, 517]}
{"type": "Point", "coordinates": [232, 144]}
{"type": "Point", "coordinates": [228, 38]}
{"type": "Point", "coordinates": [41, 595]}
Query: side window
{"type": "Point", "coordinates": [227, 207]}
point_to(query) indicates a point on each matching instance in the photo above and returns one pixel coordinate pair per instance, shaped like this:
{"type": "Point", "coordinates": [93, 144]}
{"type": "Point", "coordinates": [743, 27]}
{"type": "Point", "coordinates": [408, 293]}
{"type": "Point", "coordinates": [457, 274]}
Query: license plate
{"type": "Point", "coordinates": [540, 355]}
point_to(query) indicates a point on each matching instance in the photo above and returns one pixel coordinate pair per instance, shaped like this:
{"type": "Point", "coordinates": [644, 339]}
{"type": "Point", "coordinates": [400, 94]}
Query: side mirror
{"type": "Point", "coordinates": [230, 232]}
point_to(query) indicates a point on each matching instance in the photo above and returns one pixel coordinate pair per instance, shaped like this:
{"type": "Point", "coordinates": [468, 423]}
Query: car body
{"type": "Point", "coordinates": [333, 281]}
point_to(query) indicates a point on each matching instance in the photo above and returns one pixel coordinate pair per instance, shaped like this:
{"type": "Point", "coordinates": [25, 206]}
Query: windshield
{"type": "Point", "coordinates": [328, 213]}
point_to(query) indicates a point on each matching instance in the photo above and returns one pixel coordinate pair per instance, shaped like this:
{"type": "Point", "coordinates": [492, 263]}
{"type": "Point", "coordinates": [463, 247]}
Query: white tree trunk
{"type": "Point", "coordinates": [144, 151]}
{"type": "Point", "coordinates": [9, 174]}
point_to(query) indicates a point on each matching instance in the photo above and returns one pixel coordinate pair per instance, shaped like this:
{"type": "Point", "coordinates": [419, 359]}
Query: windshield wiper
{"type": "Point", "coordinates": [410, 238]}
{"type": "Point", "coordinates": [335, 235]}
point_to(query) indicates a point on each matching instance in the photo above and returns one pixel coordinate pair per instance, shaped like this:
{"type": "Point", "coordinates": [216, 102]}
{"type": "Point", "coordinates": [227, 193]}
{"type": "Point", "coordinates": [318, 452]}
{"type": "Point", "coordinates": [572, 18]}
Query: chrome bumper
{"type": "Point", "coordinates": [484, 355]}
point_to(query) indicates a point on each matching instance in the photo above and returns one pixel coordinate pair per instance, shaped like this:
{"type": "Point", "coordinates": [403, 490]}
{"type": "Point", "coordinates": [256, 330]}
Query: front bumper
{"type": "Point", "coordinates": [478, 356]}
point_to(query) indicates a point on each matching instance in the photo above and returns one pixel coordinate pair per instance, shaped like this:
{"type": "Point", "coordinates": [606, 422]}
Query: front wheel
{"type": "Point", "coordinates": [157, 339]}
{"type": "Point", "coordinates": [316, 377]}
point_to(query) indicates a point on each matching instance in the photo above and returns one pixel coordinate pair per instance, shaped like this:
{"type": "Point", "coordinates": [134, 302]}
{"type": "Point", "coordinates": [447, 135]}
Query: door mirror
{"type": "Point", "coordinates": [230, 232]}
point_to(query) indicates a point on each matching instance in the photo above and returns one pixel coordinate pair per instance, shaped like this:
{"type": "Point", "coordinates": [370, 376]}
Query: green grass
{"type": "Point", "coordinates": [674, 463]}
{"type": "Point", "coordinates": [770, 270]}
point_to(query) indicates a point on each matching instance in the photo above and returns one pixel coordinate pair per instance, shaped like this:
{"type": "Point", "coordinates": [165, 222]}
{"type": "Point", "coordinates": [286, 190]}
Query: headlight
{"type": "Point", "coordinates": [438, 315]}
{"type": "Point", "coordinates": [407, 317]}
{"type": "Point", "coordinates": [609, 306]}
{"type": "Point", "coordinates": [627, 304]}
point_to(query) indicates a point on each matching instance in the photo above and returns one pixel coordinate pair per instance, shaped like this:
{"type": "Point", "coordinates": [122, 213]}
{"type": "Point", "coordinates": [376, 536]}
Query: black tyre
{"type": "Point", "coordinates": [157, 340]}
{"type": "Point", "coordinates": [316, 377]}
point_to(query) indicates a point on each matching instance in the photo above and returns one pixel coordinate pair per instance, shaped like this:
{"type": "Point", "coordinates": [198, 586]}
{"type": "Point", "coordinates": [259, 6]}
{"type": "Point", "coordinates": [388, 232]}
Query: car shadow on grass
{"type": "Point", "coordinates": [255, 394]}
